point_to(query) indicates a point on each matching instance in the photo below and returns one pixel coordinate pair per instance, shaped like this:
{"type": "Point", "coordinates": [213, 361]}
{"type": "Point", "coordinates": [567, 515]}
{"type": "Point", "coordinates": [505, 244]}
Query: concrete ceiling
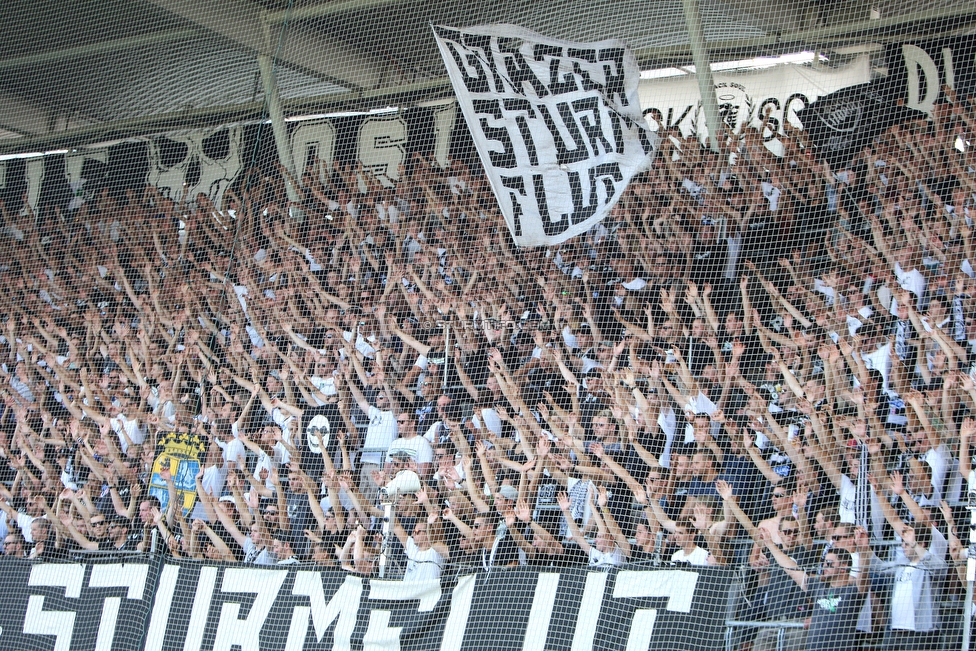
{"type": "Point", "coordinates": [76, 71]}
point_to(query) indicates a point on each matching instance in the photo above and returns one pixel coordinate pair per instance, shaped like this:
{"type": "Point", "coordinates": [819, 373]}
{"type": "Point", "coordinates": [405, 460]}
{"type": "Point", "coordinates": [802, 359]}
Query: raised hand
{"type": "Point", "coordinates": [723, 488]}
{"type": "Point", "coordinates": [562, 499]}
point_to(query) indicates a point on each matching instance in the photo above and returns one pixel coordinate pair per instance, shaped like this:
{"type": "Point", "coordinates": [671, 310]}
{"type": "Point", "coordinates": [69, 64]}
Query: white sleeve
{"type": "Point", "coordinates": [425, 454]}
{"type": "Point", "coordinates": [24, 522]}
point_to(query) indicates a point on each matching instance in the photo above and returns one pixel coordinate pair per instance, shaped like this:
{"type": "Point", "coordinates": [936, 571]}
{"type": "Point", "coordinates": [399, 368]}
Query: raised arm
{"type": "Point", "coordinates": [574, 531]}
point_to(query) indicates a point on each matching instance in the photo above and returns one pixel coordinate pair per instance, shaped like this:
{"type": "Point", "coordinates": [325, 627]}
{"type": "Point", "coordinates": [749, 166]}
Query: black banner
{"type": "Point", "coordinates": [187, 606]}
{"type": "Point", "coordinates": [184, 164]}
{"type": "Point", "coordinates": [75, 607]}
{"type": "Point", "coordinates": [918, 70]}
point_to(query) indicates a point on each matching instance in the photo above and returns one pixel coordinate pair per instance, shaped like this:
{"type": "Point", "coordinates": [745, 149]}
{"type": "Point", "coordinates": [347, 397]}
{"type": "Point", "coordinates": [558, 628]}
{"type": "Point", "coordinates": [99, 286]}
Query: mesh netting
{"type": "Point", "coordinates": [516, 325]}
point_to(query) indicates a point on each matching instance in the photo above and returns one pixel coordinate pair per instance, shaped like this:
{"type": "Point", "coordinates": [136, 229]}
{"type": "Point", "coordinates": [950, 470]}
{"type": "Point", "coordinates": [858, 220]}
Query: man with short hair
{"type": "Point", "coordinates": [118, 537]}
{"type": "Point", "coordinates": [42, 533]}
{"type": "Point", "coordinates": [783, 599]}
{"type": "Point", "coordinates": [838, 595]}
{"type": "Point", "coordinates": [380, 434]}
{"type": "Point", "coordinates": [13, 545]}
{"type": "Point", "coordinates": [282, 549]}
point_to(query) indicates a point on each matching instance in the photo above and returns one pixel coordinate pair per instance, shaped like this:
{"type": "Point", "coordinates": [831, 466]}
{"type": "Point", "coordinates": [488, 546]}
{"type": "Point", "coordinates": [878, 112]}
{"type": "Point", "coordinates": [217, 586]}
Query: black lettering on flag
{"type": "Point", "coordinates": [772, 123]}
{"type": "Point", "coordinates": [540, 198]}
{"type": "Point", "coordinates": [477, 83]}
{"type": "Point", "coordinates": [608, 173]}
{"type": "Point", "coordinates": [506, 158]}
{"type": "Point", "coordinates": [789, 102]}
{"type": "Point", "coordinates": [516, 190]}
{"type": "Point", "coordinates": [590, 57]}
{"type": "Point", "coordinates": [483, 43]}
{"type": "Point", "coordinates": [615, 77]}
{"type": "Point", "coordinates": [618, 132]}
{"type": "Point", "coordinates": [513, 105]}
{"type": "Point", "coordinates": [565, 155]}
{"type": "Point", "coordinates": [518, 69]}
{"type": "Point", "coordinates": [671, 123]}
{"type": "Point", "coordinates": [556, 87]}
{"type": "Point", "coordinates": [594, 129]}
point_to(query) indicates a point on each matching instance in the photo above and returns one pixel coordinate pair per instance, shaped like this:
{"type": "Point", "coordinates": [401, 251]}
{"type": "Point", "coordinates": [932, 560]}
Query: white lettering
{"type": "Point", "coordinates": [589, 611]}
{"type": "Point", "coordinates": [381, 148]}
{"type": "Point", "coordinates": [915, 58]}
{"type": "Point", "coordinates": [314, 141]}
{"type": "Point", "coordinates": [950, 73]}
{"type": "Point", "coordinates": [60, 624]}
{"type": "Point", "coordinates": [161, 607]}
{"type": "Point", "coordinates": [380, 636]}
{"type": "Point", "coordinates": [201, 609]}
{"type": "Point", "coordinates": [132, 577]}
{"type": "Point", "coordinates": [541, 613]}
{"type": "Point", "coordinates": [344, 605]}
{"type": "Point", "coordinates": [676, 585]}
{"type": "Point", "coordinates": [444, 117]}
{"type": "Point", "coordinates": [231, 630]}
{"type": "Point", "coordinates": [457, 620]}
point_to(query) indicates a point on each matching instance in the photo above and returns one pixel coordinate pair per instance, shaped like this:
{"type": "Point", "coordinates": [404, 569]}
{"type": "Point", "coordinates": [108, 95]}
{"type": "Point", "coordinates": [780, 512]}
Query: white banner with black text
{"type": "Point", "coordinates": [557, 125]}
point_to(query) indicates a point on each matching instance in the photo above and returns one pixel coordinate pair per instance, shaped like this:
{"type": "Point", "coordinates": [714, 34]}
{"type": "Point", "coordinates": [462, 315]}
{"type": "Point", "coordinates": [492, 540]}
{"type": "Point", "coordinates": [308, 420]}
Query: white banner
{"type": "Point", "coordinates": [557, 125]}
{"type": "Point", "coordinates": [743, 97]}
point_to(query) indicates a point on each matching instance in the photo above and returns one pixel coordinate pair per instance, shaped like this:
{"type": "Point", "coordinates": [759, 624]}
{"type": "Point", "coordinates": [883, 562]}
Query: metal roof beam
{"type": "Point", "coordinates": [101, 47]}
{"type": "Point", "coordinates": [326, 9]}
{"type": "Point", "coordinates": [244, 22]}
{"type": "Point", "coordinates": [409, 94]}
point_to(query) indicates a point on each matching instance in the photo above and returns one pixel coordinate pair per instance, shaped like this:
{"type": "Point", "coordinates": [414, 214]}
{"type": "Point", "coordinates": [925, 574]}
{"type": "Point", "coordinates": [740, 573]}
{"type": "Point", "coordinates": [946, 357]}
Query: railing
{"type": "Point", "coordinates": [731, 624]}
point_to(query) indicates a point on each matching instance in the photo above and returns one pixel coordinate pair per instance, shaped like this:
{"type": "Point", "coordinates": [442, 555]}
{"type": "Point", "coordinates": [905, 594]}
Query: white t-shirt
{"type": "Point", "coordinates": [418, 448]}
{"type": "Point", "coordinates": [234, 451]}
{"type": "Point", "coordinates": [698, 556]}
{"type": "Point", "coordinates": [132, 430]}
{"type": "Point", "coordinates": [606, 559]}
{"type": "Point", "coordinates": [382, 431]}
{"type": "Point", "coordinates": [938, 460]}
{"type": "Point", "coordinates": [422, 565]}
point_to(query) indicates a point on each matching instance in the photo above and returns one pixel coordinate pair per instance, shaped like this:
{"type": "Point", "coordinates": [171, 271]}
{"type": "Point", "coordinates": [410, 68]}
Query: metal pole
{"type": "Point", "coordinates": [967, 622]}
{"type": "Point", "coordinates": [280, 130]}
{"type": "Point", "coordinates": [703, 71]}
{"type": "Point", "coordinates": [447, 351]}
{"type": "Point", "coordinates": [385, 547]}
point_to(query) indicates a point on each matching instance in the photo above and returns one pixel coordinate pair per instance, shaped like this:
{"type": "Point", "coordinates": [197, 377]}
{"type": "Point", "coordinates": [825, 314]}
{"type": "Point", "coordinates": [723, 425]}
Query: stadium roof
{"type": "Point", "coordinates": [79, 71]}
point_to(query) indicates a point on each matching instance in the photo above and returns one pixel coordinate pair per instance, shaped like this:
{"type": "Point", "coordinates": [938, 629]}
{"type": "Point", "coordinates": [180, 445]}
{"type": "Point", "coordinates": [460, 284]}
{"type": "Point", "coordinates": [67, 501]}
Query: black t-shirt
{"type": "Point", "coordinates": [784, 599]}
{"type": "Point", "coordinates": [835, 613]}
{"type": "Point", "coordinates": [300, 516]}
{"type": "Point", "coordinates": [109, 546]}
{"type": "Point", "coordinates": [502, 554]}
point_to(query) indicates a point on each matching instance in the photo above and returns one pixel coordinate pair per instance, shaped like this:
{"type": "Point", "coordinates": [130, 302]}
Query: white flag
{"type": "Point", "coordinates": [557, 125]}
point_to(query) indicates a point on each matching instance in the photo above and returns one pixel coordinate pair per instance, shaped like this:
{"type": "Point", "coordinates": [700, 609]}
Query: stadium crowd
{"type": "Point", "coordinates": [770, 351]}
